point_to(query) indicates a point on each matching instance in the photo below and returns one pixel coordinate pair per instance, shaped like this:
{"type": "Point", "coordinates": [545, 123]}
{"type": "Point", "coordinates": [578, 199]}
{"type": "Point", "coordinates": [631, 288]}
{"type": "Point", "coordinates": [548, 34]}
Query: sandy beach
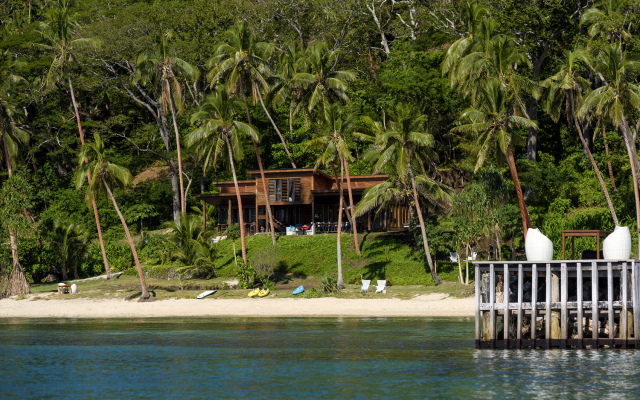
{"type": "Point", "coordinates": [431, 305]}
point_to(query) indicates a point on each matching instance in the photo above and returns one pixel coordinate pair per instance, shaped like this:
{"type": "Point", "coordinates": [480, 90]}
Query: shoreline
{"type": "Point", "coordinates": [431, 305]}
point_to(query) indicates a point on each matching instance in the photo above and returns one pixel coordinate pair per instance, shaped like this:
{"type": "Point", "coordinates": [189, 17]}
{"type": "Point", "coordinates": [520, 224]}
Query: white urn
{"type": "Point", "coordinates": [617, 246]}
{"type": "Point", "coordinates": [537, 246]}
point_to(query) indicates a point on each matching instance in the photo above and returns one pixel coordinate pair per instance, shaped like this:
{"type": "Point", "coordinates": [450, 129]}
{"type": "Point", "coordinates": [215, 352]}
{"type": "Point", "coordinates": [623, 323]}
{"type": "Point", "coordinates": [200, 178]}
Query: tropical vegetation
{"type": "Point", "coordinates": [488, 118]}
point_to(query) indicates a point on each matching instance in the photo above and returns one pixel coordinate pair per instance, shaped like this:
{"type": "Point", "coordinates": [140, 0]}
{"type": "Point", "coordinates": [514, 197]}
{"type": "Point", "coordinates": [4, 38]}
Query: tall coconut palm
{"type": "Point", "coordinates": [219, 137]}
{"type": "Point", "coordinates": [319, 84]}
{"type": "Point", "coordinates": [400, 144]}
{"type": "Point", "coordinates": [567, 86]}
{"type": "Point", "coordinates": [93, 161]}
{"type": "Point", "coordinates": [60, 34]}
{"type": "Point", "coordinates": [335, 149]}
{"type": "Point", "coordinates": [495, 122]}
{"type": "Point", "coordinates": [159, 66]}
{"type": "Point", "coordinates": [615, 101]}
{"type": "Point", "coordinates": [240, 63]}
{"type": "Point", "coordinates": [337, 124]}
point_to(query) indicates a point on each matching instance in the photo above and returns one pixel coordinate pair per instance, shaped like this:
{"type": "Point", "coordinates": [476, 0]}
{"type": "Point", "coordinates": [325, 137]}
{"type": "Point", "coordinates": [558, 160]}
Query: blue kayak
{"type": "Point", "coordinates": [299, 290]}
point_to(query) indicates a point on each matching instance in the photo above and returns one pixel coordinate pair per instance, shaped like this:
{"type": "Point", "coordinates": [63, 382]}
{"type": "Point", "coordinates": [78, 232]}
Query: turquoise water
{"type": "Point", "coordinates": [328, 358]}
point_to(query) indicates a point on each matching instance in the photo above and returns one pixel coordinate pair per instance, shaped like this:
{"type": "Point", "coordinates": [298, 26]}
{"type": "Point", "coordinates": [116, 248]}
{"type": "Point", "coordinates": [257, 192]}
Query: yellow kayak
{"type": "Point", "coordinates": [254, 292]}
{"type": "Point", "coordinates": [263, 292]}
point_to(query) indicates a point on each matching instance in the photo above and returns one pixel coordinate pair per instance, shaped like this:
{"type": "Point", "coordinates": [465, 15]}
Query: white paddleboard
{"type": "Point", "coordinates": [206, 293]}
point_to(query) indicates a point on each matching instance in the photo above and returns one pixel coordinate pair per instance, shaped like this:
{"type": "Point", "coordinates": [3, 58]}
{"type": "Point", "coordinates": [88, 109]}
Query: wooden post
{"type": "Point", "coordinates": [507, 313]}
{"type": "Point", "coordinates": [486, 334]}
{"type": "Point", "coordinates": [369, 221]}
{"type": "Point", "coordinates": [478, 295]}
{"type": "Point", "coordinates": [564, 295]}
{"type": "Point", "coordinates": [204, 215]}
{"type": "Point", "coordinates": [580, 299]}
{"type": "Point", "coordinates": [520, 295]}
{"type": "Point", "coordinates": [547, 317]}
{"type": "Point", "coordinates": [555, 315]}
{"type": "Point", "coordinates": [610, 300]}
{"type": "Point", "coordinates": [635, 277]}
{"type": "Point", "coordinates": [230, 216]}
{"type": "Point", "coordinates": [492, 304]}
{"type": "Point", "coordinates": [594, 301]}
{"type": "Point", "coordinates": [534, 301]}
{"type": "Point", "coordinates": [623, 312]}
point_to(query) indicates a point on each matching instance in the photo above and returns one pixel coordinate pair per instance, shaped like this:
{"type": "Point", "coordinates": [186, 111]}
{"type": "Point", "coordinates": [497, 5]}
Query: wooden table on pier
{"type": "Point", "coordinates": [582, 233]}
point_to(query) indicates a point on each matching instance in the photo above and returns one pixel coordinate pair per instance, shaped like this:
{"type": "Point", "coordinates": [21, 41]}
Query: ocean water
{"type": "Point", "coordinates": [286, 358]}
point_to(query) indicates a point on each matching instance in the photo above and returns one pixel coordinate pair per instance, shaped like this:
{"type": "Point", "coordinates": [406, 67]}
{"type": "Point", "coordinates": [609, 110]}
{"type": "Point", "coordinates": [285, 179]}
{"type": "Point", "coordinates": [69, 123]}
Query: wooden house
{"type": "Point", "coordinates": [299, 197]}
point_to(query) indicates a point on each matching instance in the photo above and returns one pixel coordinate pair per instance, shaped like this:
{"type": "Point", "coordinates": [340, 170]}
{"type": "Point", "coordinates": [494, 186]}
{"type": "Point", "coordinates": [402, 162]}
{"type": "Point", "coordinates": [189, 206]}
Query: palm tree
{"type": "Point", "coordinates": [219, 137]}
{"type": "Point", "coordinates": [285, 87]}
{"type": "Point", "coordinates": [69, 241]}
{"type": "Point", "coordinates": [615, 100]}
{"type": "Point", "coordinates": [158, 65]}
{"type": "Point", "coordinates": [336, 149]}
{"type": "Point", "coordinates": [607, 18]}
{"type": "Point", "coordinates": [316, 86]}
{"type": "Point", "coordinates": [93, 161]}
{"type": "Point", "coordinates": [323, 82]}
{"type": "Point", "coordinates": [59, 31]}
{"type": "Point", "coordinates": [186, 233]}
{"type": "Point", "coordinates": [495, 123]}
{"type": "Point", "coordinates": [239, 62]}
{"type": "Point", "coordinates": [12, 137]}
{"type": "Point", "coordinates": [567, 86]}
{"type": "Point", "coordinates": [400, 144]}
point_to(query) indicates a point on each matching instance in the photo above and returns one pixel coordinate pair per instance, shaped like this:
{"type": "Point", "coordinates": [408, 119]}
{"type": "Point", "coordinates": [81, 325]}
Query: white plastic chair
{"type": "Point", "coordinates": [381, 285]}
{"type": "Point", "coordinates": [365, 286]}
{"type": "Point", "coordinates": [473, 256]}
{"type": "Point", "coordinates": [453, 256]}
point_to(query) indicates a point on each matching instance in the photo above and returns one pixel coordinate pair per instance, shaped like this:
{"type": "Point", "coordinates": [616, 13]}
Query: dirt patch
{"type": "Point", "coordinates": [151, 174]}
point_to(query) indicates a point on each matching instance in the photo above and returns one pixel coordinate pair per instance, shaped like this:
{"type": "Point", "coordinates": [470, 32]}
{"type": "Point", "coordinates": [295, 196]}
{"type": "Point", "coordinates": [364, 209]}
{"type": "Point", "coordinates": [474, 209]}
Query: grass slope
{"type": "Point", "coordinates": [384, 256]}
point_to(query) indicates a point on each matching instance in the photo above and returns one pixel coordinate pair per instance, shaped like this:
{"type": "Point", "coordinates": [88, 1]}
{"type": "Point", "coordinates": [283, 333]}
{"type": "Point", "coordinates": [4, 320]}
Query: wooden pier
{"type": "Point", "coordinates": [557, 304]}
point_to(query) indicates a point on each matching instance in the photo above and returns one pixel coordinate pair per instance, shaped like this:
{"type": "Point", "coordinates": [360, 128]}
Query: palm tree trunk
{"type": "Point", "coordinates": [338, 243]}
{"type": "Point", "coordinates": [240, 217]}
{"type": "Point", "coordinates": [93, 200]}
{"type": "Point", "coordinates": [64, 270]}
{"type": "Point", "coordinates": [145, 293]}
{"type": "Point", "coordinates": [276, 128]}
{"type": "Point", "coordinates": [423, 229]}
{"type": "Point", "coordinates": [264, 180]}
{"type": "Point", "coordinates": [353, 217]}
{"type": "Point", "coordinates": [460, 270]}
{"type": "Point", "coordinates": [526, 222]}
{"type": "Point", "coordinates": [606, 149]}
{"type": "Point", "coordinates": [183, 204]}
{"type": "Point", "coordinates": [593, 162]}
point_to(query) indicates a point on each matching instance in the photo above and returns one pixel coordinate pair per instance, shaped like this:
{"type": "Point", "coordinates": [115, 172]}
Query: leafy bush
{"type": "Point", "coordinates": [264, 262]}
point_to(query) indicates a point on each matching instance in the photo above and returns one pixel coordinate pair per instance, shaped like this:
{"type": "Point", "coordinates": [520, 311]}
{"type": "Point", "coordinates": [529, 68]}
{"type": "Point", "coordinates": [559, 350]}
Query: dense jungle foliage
{"type": "Point", "coordinates": [478, 96]}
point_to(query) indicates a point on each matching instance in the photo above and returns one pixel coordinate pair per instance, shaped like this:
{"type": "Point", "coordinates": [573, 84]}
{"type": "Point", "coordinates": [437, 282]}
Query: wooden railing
{"type": "Point", "coordinates": [567, 303]}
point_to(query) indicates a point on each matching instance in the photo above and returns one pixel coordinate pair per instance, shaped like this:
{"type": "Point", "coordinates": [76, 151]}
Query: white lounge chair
{"type": "Point", "coordinates": [381, 286]}
{"type": "Point", "coordinates": [453, 256]}
{"type": "Point", "coordinates": [365, 286]}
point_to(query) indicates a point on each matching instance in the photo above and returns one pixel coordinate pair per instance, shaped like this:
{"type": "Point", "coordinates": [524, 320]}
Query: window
{"type": "Point", "coordinates": [291, 193]}
{"type": "Point", "coordinates": [278, 190]}
{"type": "Point", "coordinates": [284, 190]}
